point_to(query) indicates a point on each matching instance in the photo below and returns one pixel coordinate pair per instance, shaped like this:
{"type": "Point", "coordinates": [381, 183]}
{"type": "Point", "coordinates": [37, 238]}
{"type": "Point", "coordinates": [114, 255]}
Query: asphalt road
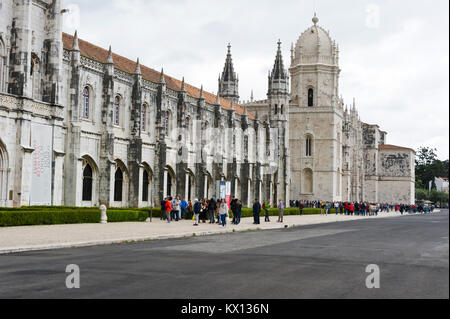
{"type": "Point", "coordinates": [319, 261]}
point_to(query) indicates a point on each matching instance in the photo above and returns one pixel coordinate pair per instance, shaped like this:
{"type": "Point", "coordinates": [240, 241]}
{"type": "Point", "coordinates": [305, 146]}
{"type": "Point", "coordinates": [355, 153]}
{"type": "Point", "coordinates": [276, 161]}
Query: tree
{"type": "Point", "coordinates": [428, 166]}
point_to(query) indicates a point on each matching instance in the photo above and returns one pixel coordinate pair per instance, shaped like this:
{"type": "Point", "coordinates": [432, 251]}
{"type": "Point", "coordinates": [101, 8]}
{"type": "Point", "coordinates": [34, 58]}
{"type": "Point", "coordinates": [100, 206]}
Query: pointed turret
{"type": "Point", "coordinates": [110, 60]}
{"type": "Point", "coordinates": [229, 80]}
{"type": "Point", "coordinates": [183, 86]}
{"type": "Point", "coordinates": [162, 79]}
{"type": "Point", "coordinates": [278, 78]}
{"type": "Point", "coordinates": [75, 46]}
{"type": "Point", "coordinates": [202, 96]}
{"type": "Point", "coordinates": [138, 68]}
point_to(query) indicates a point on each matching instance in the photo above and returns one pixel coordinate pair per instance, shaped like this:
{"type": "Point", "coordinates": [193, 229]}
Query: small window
{"type": "Point", "coordinates": [86, 103]}
{"type": "Point", "coordinates": [117, 111]}
{"type": "Point", "coordinates": [308, 146]}
{"type": "Point", "coordinates": [87, 183]}
{"type": "Point", "coordinates": [311, 97]}
{"type": "Point", "coordinates": [276, 108]}
{"type": "Point", "coordinates": [118, 185]}
{"type": "Point", "coordinates": [282, 109]}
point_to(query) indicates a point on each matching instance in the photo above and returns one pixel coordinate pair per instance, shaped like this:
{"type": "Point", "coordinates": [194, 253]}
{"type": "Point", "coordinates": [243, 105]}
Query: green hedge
{"type": "Point", "coordinates": [50, 217]}
{"type": "Point", "coordinates": [70, 215]}
{"type": "Point", "coordinates": [75, 215]}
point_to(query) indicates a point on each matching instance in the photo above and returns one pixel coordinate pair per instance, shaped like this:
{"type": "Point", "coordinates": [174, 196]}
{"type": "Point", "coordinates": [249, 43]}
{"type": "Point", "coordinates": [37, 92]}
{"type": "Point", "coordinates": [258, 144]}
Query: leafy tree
{"type": "Point", "coordinates": [428, 166]}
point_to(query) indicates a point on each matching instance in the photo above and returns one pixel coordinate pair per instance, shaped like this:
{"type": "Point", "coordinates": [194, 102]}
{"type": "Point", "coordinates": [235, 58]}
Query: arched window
{"type": "Point", "coordinates": [87, 183]}
{"type": "Point", "coordinates": [118, 185]}
{"type": "Point", "coordinates": [144, 117]}
{"type": "Point", "coordinates": [282, 109]}
{"type": "Point", "coordinates": [116, 113]}
{"type": "Point", "coordinates": [309, 146]}
{"type": "Point", "coordinates": [276, 109]}
{"type": "Point", "coordinates": [311, 97]}
{"type": "Point", "coordinates": [3, 175]}
{"type": "Point", "coordinates": [86, 102]}
{"type": "Point", "coordinates": [145, 184]}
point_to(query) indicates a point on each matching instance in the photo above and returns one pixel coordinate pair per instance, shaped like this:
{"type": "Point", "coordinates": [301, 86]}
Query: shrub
{"type": "Point", "coordinates": [50, 217]}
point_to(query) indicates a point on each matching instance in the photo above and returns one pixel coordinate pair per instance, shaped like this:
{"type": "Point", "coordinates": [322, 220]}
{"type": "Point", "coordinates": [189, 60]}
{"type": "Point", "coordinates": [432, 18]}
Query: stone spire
{"type": "Point", "coordinates": [278, 78]}
{"type": "Point", "coordinates": [183, 86]}
{"type": "Point", "coordinates": [162, 78]}
{"type": "Point", "coordinates": [138, 67]}
{"type": "Point", "coordinates": [202, 96]}
{"type": "Point", "coordinates": [110, 60]}
{"type": "Point", "coordinates": [75, 46]}
{"type": "Point", "coordinates": [229, 80]}
{"type": "Point", "coordinates": [251, 97]}
{"type": "Point", "coordinates": [218, 96]}
{"type": "Point", "coordinates": [278, 69]}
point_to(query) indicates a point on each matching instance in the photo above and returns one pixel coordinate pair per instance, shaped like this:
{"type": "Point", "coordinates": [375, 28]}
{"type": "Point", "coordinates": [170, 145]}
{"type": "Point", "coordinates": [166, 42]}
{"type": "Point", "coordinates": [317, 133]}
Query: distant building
{"type": "Point", "coordinates": [441, 184]}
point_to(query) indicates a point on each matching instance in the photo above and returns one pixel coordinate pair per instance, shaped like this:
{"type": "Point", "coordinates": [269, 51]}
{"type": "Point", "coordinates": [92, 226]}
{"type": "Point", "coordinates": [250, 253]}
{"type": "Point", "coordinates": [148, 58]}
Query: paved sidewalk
{"type": "Point", "coordinates": [29, 238]}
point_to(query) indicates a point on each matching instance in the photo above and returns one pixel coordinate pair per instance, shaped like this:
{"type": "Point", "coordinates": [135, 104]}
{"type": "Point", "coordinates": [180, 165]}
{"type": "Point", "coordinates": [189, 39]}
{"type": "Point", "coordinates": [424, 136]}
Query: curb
{"type": "Point", "coordinates": [6, 251]}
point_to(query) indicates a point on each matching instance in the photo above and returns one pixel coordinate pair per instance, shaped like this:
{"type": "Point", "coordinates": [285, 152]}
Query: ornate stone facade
{"type": "Point", "coordinates": [334, 156]}
{"type": "Point", "coordinates": [80, 125]}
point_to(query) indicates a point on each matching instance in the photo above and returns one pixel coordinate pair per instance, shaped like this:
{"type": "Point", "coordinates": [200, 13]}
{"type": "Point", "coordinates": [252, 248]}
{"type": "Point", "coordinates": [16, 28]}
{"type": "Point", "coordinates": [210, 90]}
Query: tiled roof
{"type": "Point", "coordinates": [394, 147]}
{"type": "Point", "coordinates": [98, 54]}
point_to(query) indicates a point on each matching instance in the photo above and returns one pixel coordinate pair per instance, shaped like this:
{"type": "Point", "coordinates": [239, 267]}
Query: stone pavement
{"type": "Point", "coordinates": [29, 238]}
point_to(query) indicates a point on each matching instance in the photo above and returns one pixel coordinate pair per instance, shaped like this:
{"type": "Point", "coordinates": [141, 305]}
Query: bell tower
{"type": "Point", "coordinates": [316, 116]}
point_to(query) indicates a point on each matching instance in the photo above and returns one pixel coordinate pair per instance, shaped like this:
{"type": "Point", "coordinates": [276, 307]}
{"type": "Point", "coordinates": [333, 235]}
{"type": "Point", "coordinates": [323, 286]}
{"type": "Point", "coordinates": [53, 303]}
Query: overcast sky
{"type": "Point", "coordinates": [394, 54]}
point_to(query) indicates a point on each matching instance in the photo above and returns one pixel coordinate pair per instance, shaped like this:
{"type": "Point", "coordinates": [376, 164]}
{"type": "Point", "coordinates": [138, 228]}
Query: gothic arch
{"type": "Point", "coordinates": [89, 181]}
{"type": "Point", "coordinates": [117, 110]}
{"type": "Point", "coordinates": [4, 171]}
{"type": "Point", "coordinates": [121, 184]}
{"type": "Point", "coordinates": [170, 186]}
{"type": "Point", "coordinates": [87, 102]}
{"type": "Point", "coordinates": [190, 185]}
{"type": "Point", "coordinates": [147, 183]}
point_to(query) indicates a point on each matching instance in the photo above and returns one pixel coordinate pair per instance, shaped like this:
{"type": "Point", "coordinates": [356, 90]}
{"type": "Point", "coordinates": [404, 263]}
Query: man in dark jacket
{"type": "Point", "coordinates": [256, 212]}
{"type": "Point", "coordinates": [212, 211]}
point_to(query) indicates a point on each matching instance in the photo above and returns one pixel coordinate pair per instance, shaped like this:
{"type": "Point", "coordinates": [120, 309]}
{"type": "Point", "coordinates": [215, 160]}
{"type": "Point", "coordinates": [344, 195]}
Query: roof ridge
{"type": "Point", "coordinates": [123, 63]}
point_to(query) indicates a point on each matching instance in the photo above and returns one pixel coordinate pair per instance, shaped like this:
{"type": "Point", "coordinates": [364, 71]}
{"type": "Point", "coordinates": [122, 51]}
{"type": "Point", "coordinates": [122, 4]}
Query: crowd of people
{"type": "Point", "coordinates": [213, 211]}
{"type": "Point", "coordinates": [217, 211]}
{"type": "Point", "coordinates": [361, 208]}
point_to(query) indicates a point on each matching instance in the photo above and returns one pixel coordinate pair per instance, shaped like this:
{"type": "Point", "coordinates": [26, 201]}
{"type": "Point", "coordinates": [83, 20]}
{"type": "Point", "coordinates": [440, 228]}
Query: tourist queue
{"type": "Point", "coordinates": [214, 211]}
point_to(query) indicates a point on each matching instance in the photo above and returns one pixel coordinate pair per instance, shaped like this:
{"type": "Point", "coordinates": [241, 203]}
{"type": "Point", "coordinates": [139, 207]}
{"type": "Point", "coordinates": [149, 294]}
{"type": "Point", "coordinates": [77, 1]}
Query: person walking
{"type": "Point", "coordinates": [223, 212]}
{"type": "Point", "coordinates": [266, 210]}
{"type": "Point", "coordinates": [168, 206]}
{"type": "Point", "coordinates": [301, 207]}
{"type": "Point", "coordinates": [280, 211]}
{"type": "Point", "coordinates": [197, 209]}
{"type": "Point", "coordinates": [256, 212]}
